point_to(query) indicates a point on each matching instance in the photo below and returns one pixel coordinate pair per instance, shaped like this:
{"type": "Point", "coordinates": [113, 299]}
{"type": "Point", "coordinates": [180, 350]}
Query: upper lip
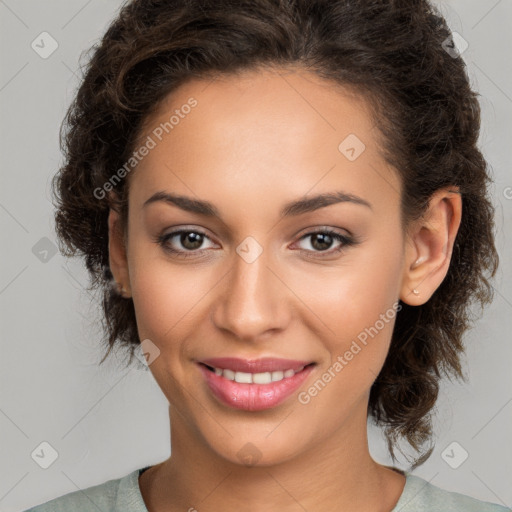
{"type": "Point", "coordinates": [265, 364]}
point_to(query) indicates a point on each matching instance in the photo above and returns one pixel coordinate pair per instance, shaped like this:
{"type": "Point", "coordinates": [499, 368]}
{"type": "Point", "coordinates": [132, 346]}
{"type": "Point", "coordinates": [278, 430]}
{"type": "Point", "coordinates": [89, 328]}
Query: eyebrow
{"type": "Point", "coordinates": [290, 209]}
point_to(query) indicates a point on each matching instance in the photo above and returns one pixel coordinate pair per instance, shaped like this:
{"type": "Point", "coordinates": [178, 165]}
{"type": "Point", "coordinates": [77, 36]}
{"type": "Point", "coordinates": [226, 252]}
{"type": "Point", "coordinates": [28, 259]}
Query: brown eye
{"type": "Point", "coordinates": [191, 240]}
{"type": "Point", "coordinates": [183, 242]}
{"type": "Point", "coordinates": [321, 241]}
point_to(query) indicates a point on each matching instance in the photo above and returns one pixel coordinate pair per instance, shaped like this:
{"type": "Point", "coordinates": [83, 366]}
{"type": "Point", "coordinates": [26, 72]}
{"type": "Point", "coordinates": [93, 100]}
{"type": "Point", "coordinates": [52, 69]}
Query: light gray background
{"type": "Point", "coordinates": [105, 422]}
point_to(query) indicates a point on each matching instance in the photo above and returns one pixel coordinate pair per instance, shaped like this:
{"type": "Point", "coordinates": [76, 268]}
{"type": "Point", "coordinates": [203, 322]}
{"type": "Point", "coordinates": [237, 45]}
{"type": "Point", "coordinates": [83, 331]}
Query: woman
{"type": "Point", "coordinates": [286, 208]}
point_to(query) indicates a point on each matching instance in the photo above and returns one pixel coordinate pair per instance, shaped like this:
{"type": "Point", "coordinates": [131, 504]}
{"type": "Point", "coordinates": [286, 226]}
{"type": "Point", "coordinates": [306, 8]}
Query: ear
{"type": "Point", "coordinates": [117, 253]}
{"type": "Point", "coordinates": [429, 246]}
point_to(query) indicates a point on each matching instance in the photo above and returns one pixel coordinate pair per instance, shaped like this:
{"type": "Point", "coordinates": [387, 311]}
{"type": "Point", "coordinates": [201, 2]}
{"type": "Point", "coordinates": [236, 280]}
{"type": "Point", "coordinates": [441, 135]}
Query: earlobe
{"type": "Point", "coordinates": [429, 247]}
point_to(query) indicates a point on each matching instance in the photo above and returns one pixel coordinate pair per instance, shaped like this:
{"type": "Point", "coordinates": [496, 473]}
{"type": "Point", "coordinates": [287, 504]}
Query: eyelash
{"type": "Point", "coordinates": [347, 241]}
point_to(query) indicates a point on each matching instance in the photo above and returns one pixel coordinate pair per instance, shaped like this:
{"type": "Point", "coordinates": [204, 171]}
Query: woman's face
{"type": "Point", "coordinates": [260, 278]}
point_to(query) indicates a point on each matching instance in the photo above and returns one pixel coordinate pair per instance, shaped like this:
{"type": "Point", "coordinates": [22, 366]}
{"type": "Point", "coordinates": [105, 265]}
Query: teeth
{"type": "Point", "coordinates": [262, 378]}
{"type": "Point", "coordinates": [277, 376]}
{"type": "Point", "coordinates": [229, 374]}
{"type": "Point", "coordinates": [243, 377]}
{"type": "Point", "coordinates": [256, 378]}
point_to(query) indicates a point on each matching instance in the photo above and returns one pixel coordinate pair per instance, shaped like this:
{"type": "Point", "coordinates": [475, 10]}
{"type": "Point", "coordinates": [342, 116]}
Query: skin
{"type": "Point", "coordinates": [253, 143]}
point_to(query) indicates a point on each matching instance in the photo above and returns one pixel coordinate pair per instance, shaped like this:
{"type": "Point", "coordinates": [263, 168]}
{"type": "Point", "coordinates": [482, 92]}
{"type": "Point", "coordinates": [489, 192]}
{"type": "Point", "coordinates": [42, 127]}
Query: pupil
{"type": "Point", "coordinates": [325, 238]}
{"type": "Point", "coordinates": [194, 238]}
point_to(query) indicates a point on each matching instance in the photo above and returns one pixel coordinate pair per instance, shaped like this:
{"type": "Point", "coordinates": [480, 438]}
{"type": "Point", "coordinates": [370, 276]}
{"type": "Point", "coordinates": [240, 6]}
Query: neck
{"type": "Point", "coordinates": [336, 472]}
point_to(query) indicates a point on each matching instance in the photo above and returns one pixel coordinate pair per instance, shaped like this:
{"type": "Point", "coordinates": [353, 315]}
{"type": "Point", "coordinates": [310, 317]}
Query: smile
{"type": "Point", "coordinates": [253, 385]}
{"type": "Point", "coordinates": [254, 378]}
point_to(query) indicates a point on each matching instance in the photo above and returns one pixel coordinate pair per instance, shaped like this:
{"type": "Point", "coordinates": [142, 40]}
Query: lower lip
{"type": "Point", "coordinates": [253, 397]}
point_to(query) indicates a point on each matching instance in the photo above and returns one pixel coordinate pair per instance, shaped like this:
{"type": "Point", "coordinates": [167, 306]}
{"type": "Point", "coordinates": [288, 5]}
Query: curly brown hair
{"type": "Point", "coordinates": [394, 54]}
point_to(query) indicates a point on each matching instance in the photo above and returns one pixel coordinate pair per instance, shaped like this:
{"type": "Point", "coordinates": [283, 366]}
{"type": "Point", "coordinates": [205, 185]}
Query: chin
{"type": "Point", "coordinates": [259, 450]}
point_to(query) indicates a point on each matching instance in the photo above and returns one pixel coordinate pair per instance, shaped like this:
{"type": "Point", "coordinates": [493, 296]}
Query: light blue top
{"type": "Point", "coordinates": [123, 495]}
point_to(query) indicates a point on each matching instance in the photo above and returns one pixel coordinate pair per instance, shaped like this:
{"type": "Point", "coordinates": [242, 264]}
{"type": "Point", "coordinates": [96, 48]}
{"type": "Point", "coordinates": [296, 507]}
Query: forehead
{"type": "Point", "coordinates": [272, 135]}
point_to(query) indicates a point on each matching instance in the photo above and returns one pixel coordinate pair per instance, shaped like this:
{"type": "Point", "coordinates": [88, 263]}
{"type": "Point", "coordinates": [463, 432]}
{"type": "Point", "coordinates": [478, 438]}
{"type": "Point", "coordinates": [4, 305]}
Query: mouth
{"type": "Point", "coordinates": [255, 377]}
{"type": "Point", "coordinates": [254, 385]}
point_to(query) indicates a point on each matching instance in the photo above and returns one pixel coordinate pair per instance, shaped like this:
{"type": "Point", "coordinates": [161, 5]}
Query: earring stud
{"type": "Point", "coordinates": [121, 289]}
{"type": "Point", "coordinates": [416, 292]}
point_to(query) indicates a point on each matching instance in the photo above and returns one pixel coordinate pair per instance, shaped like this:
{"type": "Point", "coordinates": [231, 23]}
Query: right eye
{"type": "Point", "coordinates": [189, 239]}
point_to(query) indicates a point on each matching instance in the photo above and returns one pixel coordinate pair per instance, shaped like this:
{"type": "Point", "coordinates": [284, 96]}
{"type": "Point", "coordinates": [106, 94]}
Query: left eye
{"type": "Point", "coordinates": [321, 239]}
{"type": "Point", "coordinates": [192, 240]}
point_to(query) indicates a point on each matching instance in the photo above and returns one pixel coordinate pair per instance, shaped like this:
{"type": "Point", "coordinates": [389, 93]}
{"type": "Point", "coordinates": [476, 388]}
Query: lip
{"type": "Point", "coordinates": [254, 397]}
{"type": "Point", "coordinates": [265, 364]}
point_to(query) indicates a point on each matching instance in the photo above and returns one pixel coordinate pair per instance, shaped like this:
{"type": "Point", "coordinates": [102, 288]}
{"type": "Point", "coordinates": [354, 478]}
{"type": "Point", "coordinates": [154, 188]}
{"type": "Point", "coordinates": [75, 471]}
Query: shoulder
{"type": "Point", "coordinates": [422, 496]}
{"type": "Point", "coordinates": [116, 495]}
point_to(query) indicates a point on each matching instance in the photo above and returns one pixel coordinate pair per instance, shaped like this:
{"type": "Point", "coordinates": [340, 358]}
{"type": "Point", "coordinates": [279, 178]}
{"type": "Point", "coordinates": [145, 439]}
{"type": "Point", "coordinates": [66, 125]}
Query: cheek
{"type": "Point", "coordinates": [167, 303]}
{"type": "Point", "coordinates": [357, 306]}
{"type": "Point", "coordinates": [167, 306]}
{"type": "Point", "coordinates": [352, 296]}
{"type": "Point", "coordinates": [167, 296]}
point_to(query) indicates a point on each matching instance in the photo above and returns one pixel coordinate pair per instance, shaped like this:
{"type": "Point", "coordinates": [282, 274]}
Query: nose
{"type": "Point", "coordinates": [253, 301]}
